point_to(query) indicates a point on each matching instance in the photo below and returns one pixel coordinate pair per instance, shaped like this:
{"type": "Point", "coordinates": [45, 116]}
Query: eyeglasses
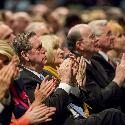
{"type": "Point", "coordinates": [91, 36]}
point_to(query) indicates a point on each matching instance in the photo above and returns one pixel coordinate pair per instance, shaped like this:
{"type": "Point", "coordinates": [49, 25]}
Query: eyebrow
{"type": "Point", "coordinates": [7, 36]}
{"type": "Point", "coordinates": [109, 32]}
{"type": "Point", "coordinates": [40, 46]}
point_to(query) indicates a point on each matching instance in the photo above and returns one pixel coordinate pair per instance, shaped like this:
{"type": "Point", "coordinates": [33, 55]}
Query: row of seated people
{"type": "Point", "coordinates": [82, 89]}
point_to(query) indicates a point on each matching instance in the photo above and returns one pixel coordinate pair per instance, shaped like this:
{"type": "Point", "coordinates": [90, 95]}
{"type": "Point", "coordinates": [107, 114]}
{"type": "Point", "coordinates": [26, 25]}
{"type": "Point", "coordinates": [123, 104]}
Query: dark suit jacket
{"type": "Point", "coordinates": [59, 99]}
{"type": "Point", "coordinates": [102, 93]}
{"type": "Point", "coordinates": [109, 69]}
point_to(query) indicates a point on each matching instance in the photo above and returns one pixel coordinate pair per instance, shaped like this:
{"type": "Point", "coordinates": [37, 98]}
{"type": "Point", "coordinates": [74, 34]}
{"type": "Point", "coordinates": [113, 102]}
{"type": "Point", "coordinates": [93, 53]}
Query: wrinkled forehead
{"type": "Point", "coordinates": [35, 41]}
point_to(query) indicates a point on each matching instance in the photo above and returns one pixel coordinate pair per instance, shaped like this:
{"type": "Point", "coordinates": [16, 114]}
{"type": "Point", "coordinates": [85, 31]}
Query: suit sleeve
{"type": "Point", "coordinates": [101, 98]}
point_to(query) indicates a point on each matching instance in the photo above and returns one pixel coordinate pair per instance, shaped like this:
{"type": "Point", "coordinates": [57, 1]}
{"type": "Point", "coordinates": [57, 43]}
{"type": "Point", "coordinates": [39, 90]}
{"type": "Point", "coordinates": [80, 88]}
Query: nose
{"type": "Point", "coordinates": [44, 50]}
{"type": "Point", "coordinates": [112, 36]}
{"type": "Point", "coordinates": [123, 37]}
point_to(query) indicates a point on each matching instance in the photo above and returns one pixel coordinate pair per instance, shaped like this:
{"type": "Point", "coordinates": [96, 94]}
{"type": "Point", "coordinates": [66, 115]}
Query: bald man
{"type": "Point", "coordinates": [20, 21]}
{"type": "Point", "coordinates": [102, 93]}
{"type": "Point", "coordinates": [6, 33]}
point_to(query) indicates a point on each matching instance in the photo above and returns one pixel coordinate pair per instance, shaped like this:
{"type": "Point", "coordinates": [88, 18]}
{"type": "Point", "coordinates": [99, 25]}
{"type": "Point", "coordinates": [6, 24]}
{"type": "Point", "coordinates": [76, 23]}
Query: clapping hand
{"type": "Point", "coordinates": [7, 73]}
{"type": "Point", "coordinates": [39, 114]}
{"type": "Point", "coordinates": [120, 72]}
{"type": "Point", "coordinates": [81, 73]}
{"type": "Point", "coordinates": [44, 90]}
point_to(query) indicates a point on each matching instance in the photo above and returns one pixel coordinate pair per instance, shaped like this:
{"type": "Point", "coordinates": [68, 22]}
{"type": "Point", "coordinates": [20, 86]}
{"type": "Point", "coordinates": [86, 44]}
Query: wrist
{"type": "Point", "coordinates": [24, 120]}
{"type": "Point", "coordinates": [36, 103]}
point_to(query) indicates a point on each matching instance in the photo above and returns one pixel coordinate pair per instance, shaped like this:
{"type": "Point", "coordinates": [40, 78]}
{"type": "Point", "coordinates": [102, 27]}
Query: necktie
{"type": "Point", "coordinates": [41, 76]}
{"type": "Point", "coordinates": [111, 63]}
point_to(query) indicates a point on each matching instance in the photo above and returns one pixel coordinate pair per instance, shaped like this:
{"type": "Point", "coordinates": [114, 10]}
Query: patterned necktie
{"type": "Point", "coordinates": [41, 76]}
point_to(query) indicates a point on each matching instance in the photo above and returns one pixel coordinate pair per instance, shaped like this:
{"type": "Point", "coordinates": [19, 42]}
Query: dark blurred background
{"type": "Point", "coordinates": [19, 5]}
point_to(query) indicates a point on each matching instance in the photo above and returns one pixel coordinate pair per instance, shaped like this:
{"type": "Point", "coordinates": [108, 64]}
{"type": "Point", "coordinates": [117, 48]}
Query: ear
{"type": "Point", "coordinates": [25, 56]}
{"type": "Point", "coordinates": [79, 45]}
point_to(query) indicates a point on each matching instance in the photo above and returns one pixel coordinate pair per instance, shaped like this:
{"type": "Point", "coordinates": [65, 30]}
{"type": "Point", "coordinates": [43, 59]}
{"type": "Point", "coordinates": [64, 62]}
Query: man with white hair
{"type": "Point", "coordinates": [102, 93]}
{"type": "Point", "coordinates": [40, 28]}
{"type": "Point", "coordinates": [105, 43]}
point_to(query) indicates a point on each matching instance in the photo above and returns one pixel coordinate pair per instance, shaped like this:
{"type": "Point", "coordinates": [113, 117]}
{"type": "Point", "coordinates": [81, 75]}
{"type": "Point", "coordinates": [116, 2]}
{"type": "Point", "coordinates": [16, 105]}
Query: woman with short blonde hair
{"type": "Point", "coordinates": [50, 43]}
{"type": "Point", "coordinates": [119, 43]}
{"type": "Point", "coordinates": [55, 54]}
{"type": "Point", "coordinates": [5, 49]}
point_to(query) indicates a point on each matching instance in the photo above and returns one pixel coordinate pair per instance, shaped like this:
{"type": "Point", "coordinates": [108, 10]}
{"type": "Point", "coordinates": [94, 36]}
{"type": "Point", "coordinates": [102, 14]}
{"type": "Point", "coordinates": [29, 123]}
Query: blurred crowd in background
{"type": "Point", "coordinates": [18, 5]}
{"type": "Point", "coordinates": [70, 64]}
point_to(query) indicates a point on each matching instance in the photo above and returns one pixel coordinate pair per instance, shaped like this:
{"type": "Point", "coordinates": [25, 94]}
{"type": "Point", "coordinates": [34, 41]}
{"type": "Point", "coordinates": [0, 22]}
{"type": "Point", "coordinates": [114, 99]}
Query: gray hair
{"type": "Point", "coordinates": [96, 26]}
{"type": "Point", "coordinates": [35, 25]}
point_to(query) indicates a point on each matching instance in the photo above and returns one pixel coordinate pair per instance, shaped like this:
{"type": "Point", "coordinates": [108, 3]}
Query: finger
{"type": "Point", "coordinates": [52, 108]}
{"type": "Point", "coordinates": [43, 119]}
{"type": "Point", "coordinates": [78, 59]}
{"type": "Point", "coordinates": [39, 110]}
{"type": "Point", "coordinates": [82, 62]}
{"type": "Point", "coordinates": [37, 88]}
{"type": "Point", "coordinates": [46, 94]}
{"type": "Point", "coordinates": [4, 70]}
{"type": "Point", "coordinates": [84, 81]}
{"type": "Point", "coordinates": [50, 114]}
{"type": "Point", "coordinates": [50, 92]}
{"type": "Point", "coordinates": [123, 59]}
{"type": "Point", "coordinates": [49, 119]}
{"type": "Point", "coordinates": [9, 73]}
{"type": "Point", "coordinates": [44, 112]}
{"type": "Point", "coordinates": [45, 79]}
{"type": "Point", "coordinates": [49, 86]}
{"type": "Point", "coordinates": [30, 108]}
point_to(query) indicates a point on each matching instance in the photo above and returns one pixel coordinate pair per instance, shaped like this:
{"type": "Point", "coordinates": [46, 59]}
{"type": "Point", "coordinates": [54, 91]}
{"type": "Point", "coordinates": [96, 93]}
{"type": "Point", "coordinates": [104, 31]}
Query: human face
{"type": "Point", "coordinates": [42, 31]}
{"type": "Point", "coordinates": [3, 61]}
{"type": "Point", "coordinates": [120, 42]}
{"type": "Point", "coordinates": [37, 53]}
{"type": "Point", "coordinates": [87, 41]}
{"type": "Point", "coordinates": [6, 33]}
{"type": "Point", "coordinates": [106, 39]}
{"type": "Point", "coordinates": [58, 56]}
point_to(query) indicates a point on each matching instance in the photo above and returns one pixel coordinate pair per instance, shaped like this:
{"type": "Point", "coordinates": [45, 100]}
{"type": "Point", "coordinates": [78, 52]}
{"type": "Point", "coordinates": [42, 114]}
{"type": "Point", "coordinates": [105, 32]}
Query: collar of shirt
{"type": "Point", "coordinates": [104, 55]}
{"type": "Point", "coordinates": [87, 61]}
{"type": "Point", "coordinates": [34, 72]}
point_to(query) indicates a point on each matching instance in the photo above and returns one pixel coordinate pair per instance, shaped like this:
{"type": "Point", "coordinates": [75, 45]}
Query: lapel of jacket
{"type": "Point", "coordinates": [98, 73]}
{"type": "Point", "coordinates": [28, 74]}
{"type": "Point", "coordinates": [30, 81]}
{"type": "Point", "coordinates": [98, 57]}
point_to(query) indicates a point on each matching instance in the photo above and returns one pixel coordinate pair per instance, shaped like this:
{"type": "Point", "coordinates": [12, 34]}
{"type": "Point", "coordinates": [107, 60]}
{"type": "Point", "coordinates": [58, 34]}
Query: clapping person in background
{"type": "Point", "coordinates": [32, 57]}
{"type": "Point", "coordinates": [119, 44]}
{"type": "Point", "coordinates": [81, 41]}
{"type": "Point", "coordinates": [55, 55]}
{"type": "Point", "coordinates": [9, 71]}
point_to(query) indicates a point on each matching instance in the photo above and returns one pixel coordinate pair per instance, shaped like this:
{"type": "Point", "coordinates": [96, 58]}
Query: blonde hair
{"type": "Point", "coordinates": [6, 50]}
{"type": "Point", "coordinates": [50, 42]}
{"type": "Point", "coordinates": [115, 27]}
